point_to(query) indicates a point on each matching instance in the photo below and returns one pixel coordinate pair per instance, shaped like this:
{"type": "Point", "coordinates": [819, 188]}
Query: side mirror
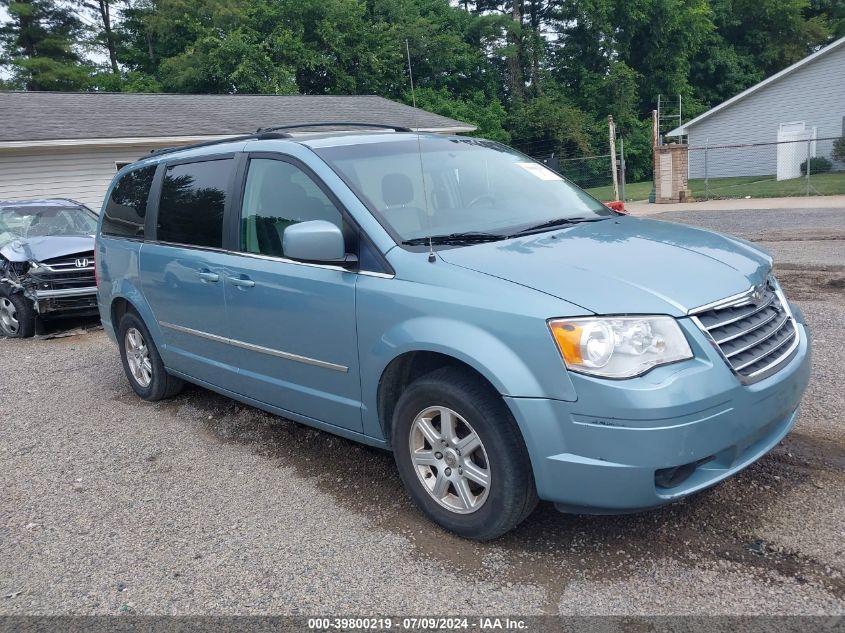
{"type": "Point", "coordinates": [314, 241]}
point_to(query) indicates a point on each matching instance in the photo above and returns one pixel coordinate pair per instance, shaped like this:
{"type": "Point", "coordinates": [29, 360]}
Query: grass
{"type": "Point", "coordinates": [633, 191]}
{"type": "Point", "coordinates": [829, 184]}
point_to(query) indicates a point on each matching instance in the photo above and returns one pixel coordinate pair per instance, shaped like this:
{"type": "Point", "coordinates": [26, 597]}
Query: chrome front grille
{"type": "Point", "coordinates": [755, 332]}
{"type": "Point", "coordinates": [70, 262]}
{"type": "Point", "coordinates": [69, 272]}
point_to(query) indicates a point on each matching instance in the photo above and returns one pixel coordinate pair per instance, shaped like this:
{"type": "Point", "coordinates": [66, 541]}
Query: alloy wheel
{"type": "Point", "coordinates": [138, 357]}
{"type": "Point", "coordinates": [450, 460]}
{"type": "Point", "coordinates": [9, 317]}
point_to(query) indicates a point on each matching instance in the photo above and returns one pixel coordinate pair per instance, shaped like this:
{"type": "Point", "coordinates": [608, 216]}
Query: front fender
{"type": "Point", "coordinates": [505, 368]}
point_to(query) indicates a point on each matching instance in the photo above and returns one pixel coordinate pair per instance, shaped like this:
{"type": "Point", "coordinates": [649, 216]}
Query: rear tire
{"type": "Point", "coordinates": [444, 467]}
{"type": "Point", "coordinates": [142, 362]}
{"type": "Point", "coordinates": [17, 316]}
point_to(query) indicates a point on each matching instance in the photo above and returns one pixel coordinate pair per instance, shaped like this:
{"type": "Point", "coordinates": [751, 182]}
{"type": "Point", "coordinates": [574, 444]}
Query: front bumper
{"type": "Point", "coordinates": [74, 301]}
{"type": "Point", "coordinates": [611, 449]}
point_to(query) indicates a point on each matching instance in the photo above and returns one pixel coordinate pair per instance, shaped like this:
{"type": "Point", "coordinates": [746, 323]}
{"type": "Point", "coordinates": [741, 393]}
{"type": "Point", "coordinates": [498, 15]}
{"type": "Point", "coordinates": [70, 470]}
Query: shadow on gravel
{"type": "Point", "coordinates": [706, 531]}
{"type": "Point", "coordinates": [68, 326]}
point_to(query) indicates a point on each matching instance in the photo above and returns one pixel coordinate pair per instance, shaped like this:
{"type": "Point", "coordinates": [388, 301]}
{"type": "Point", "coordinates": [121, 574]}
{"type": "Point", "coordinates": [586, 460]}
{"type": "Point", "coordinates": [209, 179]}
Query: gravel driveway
{"type": "Point", "coordinates": [201, 505]}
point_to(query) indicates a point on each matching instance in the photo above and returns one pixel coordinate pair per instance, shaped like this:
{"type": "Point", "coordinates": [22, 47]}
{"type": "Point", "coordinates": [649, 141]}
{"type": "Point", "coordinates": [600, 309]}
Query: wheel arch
{"type": "Point", "coordinates": [405, 369]}
{"type": "Point", "coordinates": [126, 297]}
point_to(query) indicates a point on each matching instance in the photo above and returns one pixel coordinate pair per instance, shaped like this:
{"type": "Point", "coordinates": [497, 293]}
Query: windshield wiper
{"type": "Point", "coordinates": [556, 222]}
{"type": "Point", "coordinates": [455, 238]}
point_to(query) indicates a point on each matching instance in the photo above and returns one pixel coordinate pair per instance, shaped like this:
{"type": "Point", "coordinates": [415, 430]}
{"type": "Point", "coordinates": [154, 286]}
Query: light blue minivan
{"type": "Point", "coordinates": [506, 335]}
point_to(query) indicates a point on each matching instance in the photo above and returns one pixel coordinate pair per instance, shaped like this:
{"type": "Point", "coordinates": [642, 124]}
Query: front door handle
{"type": "Point", "coordinates": [242, 282]}
{"type": "Point", "coordinates": [207, 275]}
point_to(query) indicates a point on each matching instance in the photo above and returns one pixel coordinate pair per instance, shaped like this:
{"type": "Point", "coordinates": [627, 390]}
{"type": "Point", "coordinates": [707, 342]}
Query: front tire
{"type": "Point", "coordinates": [461, 456]}
{"type": "Point", "coordinates": [142, 362]}
{"type": "Point", "coordinates": [17, 316]}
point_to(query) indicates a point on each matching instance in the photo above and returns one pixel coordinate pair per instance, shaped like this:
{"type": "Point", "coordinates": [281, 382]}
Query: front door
{"type": "Point", "coordinates": [183, 271]}
{"type": "Point", "coordinates": [292, 323]}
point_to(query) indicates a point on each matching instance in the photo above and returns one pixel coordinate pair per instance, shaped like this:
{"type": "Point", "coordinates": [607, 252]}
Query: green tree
{"type": "Point", "coordinates": [549, 125]}
{"type": "Point", "coordinates": [771, 33]}
{"type": "Point", "coordinates": [832, 14]}
{"type": "Point", "coordinates": [489, 116]}
{"type": "Point", "coordinates": [106, 37]}
{"type": "Point", "coordinates": [41, 43]}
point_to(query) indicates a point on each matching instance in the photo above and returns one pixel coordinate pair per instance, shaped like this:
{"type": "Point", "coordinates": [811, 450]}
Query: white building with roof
{"type": "Point", "coordinates": [69, 145]}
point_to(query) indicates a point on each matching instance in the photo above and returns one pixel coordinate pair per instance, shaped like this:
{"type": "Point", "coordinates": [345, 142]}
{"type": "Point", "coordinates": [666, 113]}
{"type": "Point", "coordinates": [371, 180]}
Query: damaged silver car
{"type": "Point", "coordinates": [46, 263]}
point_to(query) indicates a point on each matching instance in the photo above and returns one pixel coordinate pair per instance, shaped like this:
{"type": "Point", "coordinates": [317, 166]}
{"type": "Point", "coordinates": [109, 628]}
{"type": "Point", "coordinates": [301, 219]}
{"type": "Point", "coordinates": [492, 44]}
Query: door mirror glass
{"type": "Point", "coordinates": [314, 241]}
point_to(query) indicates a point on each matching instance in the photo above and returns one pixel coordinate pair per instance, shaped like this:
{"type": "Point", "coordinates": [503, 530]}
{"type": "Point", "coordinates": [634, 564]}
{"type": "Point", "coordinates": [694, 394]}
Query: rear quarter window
{"type": "Point", "coordinates": [127, 205]}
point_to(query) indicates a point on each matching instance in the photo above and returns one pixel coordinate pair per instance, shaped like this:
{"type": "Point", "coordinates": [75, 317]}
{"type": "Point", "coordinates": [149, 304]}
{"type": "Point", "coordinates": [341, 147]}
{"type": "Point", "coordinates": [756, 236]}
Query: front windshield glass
{"type": "Point", "coordinates": [471, 186]}
{"type": "Point", "coordinates": [32, 221]}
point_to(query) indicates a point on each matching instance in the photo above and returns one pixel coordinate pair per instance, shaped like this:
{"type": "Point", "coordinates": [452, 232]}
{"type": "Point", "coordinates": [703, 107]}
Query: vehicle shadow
{"type": "Point", "coordinates": [67, 326]}
{"type": "Point", "coordinates": [709, 530]}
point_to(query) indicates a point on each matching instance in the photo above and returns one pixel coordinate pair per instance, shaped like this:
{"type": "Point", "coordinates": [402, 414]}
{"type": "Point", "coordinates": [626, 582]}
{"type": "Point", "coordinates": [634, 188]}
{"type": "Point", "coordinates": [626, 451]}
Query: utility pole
{"type": "Point", "coordinates": [655, 141]}
{"type": "Point", "coordinates": [611, 130]}
{"type": "Point", "coordinates": [622, 169]}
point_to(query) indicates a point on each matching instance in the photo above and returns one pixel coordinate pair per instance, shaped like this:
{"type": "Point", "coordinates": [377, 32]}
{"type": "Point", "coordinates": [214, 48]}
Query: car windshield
{"type": "Point", "coordinates": [459, 188]}
{"type": "Point", "coordinates": [34, 221]}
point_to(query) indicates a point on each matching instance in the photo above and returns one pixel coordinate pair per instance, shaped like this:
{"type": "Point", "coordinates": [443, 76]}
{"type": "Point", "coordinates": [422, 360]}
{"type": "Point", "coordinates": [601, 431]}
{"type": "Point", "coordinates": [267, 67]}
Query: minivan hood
{"type": "Point", "coordinates": [38, 249]}
{"type": "Point", "coordinates": [623, 265]}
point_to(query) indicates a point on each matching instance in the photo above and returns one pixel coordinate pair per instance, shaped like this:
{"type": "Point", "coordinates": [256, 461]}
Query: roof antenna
{"type": "Point", "coordinates": [431, 257]}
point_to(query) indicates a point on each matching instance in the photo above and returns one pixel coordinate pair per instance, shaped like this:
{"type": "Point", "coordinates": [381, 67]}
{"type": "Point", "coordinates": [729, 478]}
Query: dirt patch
{"type": "Point", "coordinates": [800, 235]}
{"type": "Point", "coordinates": [819, 284]}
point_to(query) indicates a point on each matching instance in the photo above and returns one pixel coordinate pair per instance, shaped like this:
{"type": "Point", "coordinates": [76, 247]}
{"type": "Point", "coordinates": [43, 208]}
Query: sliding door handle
{"type": "Point", "coordinates": [241, 282]}
{"type": "Point", "coordinates": [207, 275]}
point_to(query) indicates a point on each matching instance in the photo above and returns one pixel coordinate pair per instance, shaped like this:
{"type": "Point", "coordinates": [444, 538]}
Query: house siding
{"type": "Point", "coordinates": [814, 94]}
{"type": "Point", "coordinates": [79, 174]}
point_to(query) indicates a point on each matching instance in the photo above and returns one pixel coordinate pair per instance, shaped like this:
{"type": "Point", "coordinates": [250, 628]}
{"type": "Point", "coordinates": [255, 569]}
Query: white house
{"type": "Point", "coordinates": [69, 145]}
{"type": "Point", "coordinates": [800, 109]}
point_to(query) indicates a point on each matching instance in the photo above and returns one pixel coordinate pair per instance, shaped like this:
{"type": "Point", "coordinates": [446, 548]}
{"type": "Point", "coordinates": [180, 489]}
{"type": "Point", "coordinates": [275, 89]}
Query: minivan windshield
{"type": "Point", "coordinates": [34, 221]}
{"type": "Point", "coordinates": [459, 189]}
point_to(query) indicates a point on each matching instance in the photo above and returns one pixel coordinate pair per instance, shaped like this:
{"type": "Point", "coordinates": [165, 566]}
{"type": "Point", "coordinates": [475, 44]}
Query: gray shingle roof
{"type": "Point", "coordinates": [41, 116]}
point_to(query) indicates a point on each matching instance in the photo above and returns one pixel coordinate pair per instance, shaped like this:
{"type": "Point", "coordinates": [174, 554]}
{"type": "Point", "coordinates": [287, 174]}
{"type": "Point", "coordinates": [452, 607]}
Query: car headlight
{"type": "Point", "coordinates": [619, 347]}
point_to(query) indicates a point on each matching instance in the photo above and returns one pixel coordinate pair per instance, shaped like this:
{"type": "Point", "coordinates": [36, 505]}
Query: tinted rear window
{"type": "Point", "coordinates": [193, 198]}
{"type": "Point", "coordinates": [127, 205]}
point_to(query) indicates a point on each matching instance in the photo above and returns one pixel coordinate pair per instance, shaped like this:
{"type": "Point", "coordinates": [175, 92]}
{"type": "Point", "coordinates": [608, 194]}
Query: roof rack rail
{"type": "Point", "coordinates": [275, 132]}
{"type": "Point", "coordinates": [381, 126]}
{"type": "Point", "coordinates": [261, 134]}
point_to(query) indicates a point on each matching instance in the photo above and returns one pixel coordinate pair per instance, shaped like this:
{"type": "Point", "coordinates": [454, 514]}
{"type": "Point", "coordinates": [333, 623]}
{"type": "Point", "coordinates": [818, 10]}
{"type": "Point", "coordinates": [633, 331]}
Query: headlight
{"type": "Point", "coordinates": [619, 347]}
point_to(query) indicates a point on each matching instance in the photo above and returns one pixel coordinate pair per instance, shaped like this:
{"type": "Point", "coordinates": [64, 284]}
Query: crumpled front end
{"type": "Point", "coordinates": [61, 285]}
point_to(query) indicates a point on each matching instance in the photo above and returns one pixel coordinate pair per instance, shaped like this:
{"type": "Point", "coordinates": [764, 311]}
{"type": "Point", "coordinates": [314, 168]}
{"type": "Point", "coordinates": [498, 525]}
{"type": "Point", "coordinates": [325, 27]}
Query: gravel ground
{"type": "Point", "coordinates": [202, 505]}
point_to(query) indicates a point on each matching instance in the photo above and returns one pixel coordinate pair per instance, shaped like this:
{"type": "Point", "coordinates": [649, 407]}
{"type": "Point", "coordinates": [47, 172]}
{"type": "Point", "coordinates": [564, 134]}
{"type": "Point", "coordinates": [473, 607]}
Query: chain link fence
{"type": "Point", "coordinates": [741, 170]}
{"type": "Point", "coordinates": [804, 167]}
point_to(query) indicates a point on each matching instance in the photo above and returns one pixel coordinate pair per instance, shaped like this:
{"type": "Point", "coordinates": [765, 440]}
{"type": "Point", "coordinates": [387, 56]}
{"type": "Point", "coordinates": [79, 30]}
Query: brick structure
{"type": "Point", "coordinates": [671, 164]}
